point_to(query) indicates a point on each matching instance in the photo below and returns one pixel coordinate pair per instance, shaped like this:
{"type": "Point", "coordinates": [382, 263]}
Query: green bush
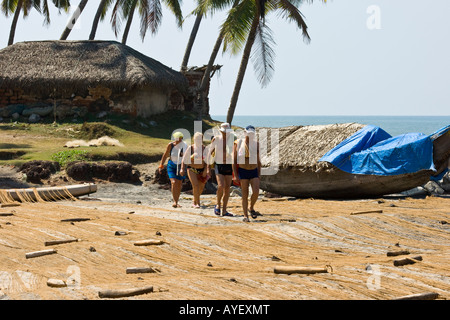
{"type": "Point", "coordinates": [66, 156]}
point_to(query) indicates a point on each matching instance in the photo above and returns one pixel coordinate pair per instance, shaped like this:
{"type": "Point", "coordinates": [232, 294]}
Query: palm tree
{"type": "Point", "coordinates": [73, 20]}
{"type": "Point", "coordinates": [19, 6]}
{"type": "Point", "coordinates": [253, 29]}
{"type": "Point", "coordinates": [150, 12]}
{"type": "Point", "coordinates": [100, 15]}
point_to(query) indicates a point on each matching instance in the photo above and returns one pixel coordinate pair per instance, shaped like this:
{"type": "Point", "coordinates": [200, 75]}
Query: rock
{"type": "Point", "coordinates": [9, 110]}
{"type": "Point", "coordinates": [41, 111]}
{"type": "Point", "coordinates": [433, 188]}
{"type": "Point", "coordinates": [152, 123]}
{"type": "Point", "coordinates": [446, 182]}
{"type": "Point", "coordinates": [102, 114]}
{"type": "Point", "coordinates": [15, 116]}
{"type": "Point", "coordinates": [34, 118]}
{"type": "Point", "coordinates": [415, 192]}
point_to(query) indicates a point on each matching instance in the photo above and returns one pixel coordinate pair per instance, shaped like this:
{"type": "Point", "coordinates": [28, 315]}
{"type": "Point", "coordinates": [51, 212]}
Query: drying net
{"type": "Point", "coordinates": [32, 195]}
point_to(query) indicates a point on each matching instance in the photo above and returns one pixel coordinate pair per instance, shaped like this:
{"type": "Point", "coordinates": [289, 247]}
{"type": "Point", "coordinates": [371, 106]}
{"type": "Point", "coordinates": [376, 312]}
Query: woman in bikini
{"type": "Point", "coordinates": [174, 152]}
{"type": "Point", "coordinates": [195, 163]}
{"type": "Point", "coordinates": [247, 170]}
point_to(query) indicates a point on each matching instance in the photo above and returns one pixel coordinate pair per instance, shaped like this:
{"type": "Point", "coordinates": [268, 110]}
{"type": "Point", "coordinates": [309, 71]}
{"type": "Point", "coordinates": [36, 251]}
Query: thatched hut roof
{"type": "Point", "coordinates": [43, 66]}
{"type": "Point", "coordinates": [301, 147]}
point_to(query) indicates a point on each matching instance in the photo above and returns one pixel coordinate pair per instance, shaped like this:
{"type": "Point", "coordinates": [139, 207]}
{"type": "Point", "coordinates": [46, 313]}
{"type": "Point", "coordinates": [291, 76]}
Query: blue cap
{"type": "Point", "coordinates": [250, 129]}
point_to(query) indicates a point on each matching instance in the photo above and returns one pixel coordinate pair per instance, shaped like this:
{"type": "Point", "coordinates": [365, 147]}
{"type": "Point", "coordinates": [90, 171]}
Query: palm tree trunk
{"type": "Point", "coordinates": [74, 19]}
{"type": "Point", "coordinates": [12, 32]}
{"type": "Point", "coordinates": [190, 44]}
{"type": "Point", "coordinates": [97, 19]}
{"type": "Point", "coordinates": [130, 20]}
{"type": "Point", "coordinates": [201, 94]}
{"type": "Point", "coordinates": [242, 68]}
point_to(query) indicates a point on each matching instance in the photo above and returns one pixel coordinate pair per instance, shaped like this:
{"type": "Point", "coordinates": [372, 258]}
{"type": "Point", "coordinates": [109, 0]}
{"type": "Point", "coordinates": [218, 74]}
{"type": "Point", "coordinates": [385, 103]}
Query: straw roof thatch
{"type": "Point", "coordinates": [301, 147]}
{"type": "Point", "coordinates": [67, 66]}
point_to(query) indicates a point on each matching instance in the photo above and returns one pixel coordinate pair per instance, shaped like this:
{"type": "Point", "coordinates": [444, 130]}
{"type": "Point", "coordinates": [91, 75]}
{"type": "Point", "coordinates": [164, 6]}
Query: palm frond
{"type": "Point", "coordinates": [174, 6]}
{"type": "Point", "coordinates": [8, 6]}
{"type": "Point", "coordinates": [263, 55]}
{"type": "Point", "coordinates": [290, 12]}
{"type": "Point", "coordinates": [237, 25]}
{"type": "Point", "coordinates": [154, 16]}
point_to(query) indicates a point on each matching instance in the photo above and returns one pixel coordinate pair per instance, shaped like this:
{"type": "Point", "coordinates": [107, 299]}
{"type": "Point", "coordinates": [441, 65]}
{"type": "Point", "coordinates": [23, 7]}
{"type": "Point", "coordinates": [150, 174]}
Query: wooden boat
{"type": "Point", "coordinates": [50, 193]}
{"type": "Point", "coordinates": [300, 174]}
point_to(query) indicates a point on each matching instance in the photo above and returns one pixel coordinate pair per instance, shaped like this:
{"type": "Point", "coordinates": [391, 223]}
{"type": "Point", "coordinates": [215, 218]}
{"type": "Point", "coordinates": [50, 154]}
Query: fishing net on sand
{"type": "Point", "coordinates": [32, 195]}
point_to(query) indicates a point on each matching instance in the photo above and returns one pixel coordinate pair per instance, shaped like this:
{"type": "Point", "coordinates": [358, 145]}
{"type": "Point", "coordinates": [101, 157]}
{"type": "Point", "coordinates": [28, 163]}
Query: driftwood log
{"type": "Point", "coordinates": [141, 270]}
{"type": "Point", "coordinates": [397, 253]}
{"type": "Point", "coordinates": [6, 214]}
{"type": "Point", "coordinates": [364, 212]}
{"type": "Point", "coordinates": [406, 261]}
{"type": "Point", "coordinates": [75, 220]}
{"type": "Point", "coordinates": [6, 205]}
{"type": "Point", "coordinates": [420, 296]}
{"type": "Point", "coordinates": [39, 253]}
{"type": "Point", "coordinates": [124, 293]}
{"type": "Point", "coordinates": [148, 243]}
{"type": "Point", "coordinates": [55, 242]}
{"type": "Point", "coordinates": [300, 270]}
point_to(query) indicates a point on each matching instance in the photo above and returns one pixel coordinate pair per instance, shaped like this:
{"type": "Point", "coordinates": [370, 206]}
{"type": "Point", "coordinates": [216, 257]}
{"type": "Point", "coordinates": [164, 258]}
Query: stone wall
{"type": "Point", "coordinates": [17, 104]}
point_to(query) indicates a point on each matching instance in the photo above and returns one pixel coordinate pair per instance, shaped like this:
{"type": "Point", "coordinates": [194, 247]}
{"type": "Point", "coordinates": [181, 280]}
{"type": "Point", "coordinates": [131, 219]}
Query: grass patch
{"type": "Point", "coordinates": [144, 140]}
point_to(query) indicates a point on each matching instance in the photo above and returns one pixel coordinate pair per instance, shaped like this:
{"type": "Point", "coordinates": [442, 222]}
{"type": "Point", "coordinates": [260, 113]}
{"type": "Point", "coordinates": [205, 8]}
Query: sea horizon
{"type": "Point", "coordinates": [394, 125]}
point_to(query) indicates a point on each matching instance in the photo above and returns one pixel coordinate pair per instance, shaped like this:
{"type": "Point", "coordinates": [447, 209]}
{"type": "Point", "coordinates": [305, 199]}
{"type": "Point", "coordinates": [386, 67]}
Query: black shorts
{"type": "Point", "coordinates": [224, 169]}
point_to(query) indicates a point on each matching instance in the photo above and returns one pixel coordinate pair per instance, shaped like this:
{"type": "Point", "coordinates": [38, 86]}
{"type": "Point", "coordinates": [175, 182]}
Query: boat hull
{"type": "Point", "coordinates": [338, 184]}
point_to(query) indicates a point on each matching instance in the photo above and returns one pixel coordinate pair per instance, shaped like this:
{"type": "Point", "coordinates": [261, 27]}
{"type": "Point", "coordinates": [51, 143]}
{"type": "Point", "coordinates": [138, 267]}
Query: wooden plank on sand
{"type": "Point", "coordinates": [141, 270]}
{"type": "Point", "coordinates": [364, 212]}
{"type": "Point", "coordinates": [301, 270]}
{"type": "Point", "coordinates": [124, 293]}
{"type": "Point", "coordinates": [39, 253]}
{"type": "Point", "coordinates": [148, 243]}
{"type": "Point", "coordinates": [406, 261]}
{"type": "Point", "coordinates": [420, 296]}
{"type": "Point", "coordinates": [55, 242]}
{"type": "Point", "coordinates": [397, 253]}
{"type": "Point", "coordinates": [75, 219]}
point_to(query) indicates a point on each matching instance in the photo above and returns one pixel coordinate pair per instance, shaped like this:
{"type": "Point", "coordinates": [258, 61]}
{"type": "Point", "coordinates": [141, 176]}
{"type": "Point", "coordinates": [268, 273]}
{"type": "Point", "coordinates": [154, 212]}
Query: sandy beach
{"type": "Point", "coordinates": [202, 256]}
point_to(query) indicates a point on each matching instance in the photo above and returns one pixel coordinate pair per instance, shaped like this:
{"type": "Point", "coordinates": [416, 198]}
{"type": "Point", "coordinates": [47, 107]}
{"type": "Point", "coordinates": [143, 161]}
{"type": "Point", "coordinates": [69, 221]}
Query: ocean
{"type": "Point", "coordinates": [394, 125]}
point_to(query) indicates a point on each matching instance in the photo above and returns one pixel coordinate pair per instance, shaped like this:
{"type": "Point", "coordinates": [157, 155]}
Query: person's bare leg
{"type": "Point", "coordinates": [194, 183]}
{"type": "Point", "coordinates": [226, 192]}
{"type": "Point", "coordinates": [176, 191]}
{"type": "Point", "coordinates": [220, 189]}
{"type": "Point", "coordinates": [255, 192]}
{"type": "Point", "coordinates": [245, 191]}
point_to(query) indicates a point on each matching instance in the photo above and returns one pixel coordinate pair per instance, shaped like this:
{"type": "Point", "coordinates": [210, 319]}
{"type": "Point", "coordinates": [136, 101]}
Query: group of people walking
{"type": "Point", "coordinates": [234, 160]}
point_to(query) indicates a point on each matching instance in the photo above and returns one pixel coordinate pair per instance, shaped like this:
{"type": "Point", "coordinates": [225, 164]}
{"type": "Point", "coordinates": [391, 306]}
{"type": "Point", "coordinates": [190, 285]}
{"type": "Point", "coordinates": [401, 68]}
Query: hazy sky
{"type": "Point", "coordinates": [377, 57]}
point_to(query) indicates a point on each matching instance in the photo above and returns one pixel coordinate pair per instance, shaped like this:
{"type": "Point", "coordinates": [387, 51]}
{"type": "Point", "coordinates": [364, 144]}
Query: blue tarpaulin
{"type": "Point", "coordinates": [373, 151]}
